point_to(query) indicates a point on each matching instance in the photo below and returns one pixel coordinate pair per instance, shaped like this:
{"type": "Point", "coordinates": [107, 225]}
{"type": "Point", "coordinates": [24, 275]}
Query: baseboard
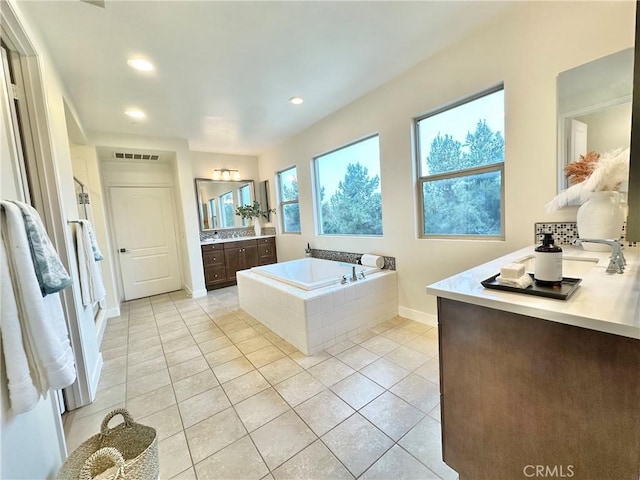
{"type": "Point", "coordinates": [95, 378]}
{"type": "Point", "coordinates": [418, 316]}
{"type": "Point", "coordinates": [113, 312]}
{"type": "Point", "coordinates": [197, 293]}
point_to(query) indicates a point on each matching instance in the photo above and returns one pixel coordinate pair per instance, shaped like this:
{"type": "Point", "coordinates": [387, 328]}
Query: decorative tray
{"type": "Point", "coordinates": [560, 292]}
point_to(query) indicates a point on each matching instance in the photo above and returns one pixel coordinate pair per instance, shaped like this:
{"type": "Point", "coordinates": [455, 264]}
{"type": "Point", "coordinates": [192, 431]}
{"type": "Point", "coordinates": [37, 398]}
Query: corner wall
{"type": "Point", "coordinates": [526, 48]}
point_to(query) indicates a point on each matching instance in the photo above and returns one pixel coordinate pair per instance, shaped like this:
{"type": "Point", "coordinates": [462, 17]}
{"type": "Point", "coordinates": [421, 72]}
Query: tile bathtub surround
{"type": "Point", "coordinates": [348, 257]}
{"type": "Point", "coordinates": [565, 232]}
{"type": "Point", "coordinates": [230, 399]}
{"type": "Point", "coordinates": [229, 233]}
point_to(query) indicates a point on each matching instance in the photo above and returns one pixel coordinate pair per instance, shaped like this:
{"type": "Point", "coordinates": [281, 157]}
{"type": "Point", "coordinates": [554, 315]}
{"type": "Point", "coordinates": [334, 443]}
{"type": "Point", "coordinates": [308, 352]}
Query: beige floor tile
{"type": "Point", "coordinates": [299, 388]}
{"type": "Point", "coordinates": [280, 370]}
{"type": "Point", "coordinates": [222, 355]}
{"type": "Point", "coordinates": [141, 344]}
{"type": "Point", "coordinates": [425, 344]}
{"type": "Point", "coordinates": [188, 474]}
{"type": "Point", "coordinates": [241, 334]}
{"type": "Point", "coordinates": [252, 344]}
{"type": "Point", "coordinates": [148, 403]}
{"type": "Point", "coordinates": [384, 372]}
{"type": "Point", "coordinates": [210, 333]}
{"type": "Point", "coordinates": [380, 345]}
{"type": "Point", "coordinates": [331, 371]}
{"type": "Point", "coordinates": [418, 327]}
{"type": "Point", "coordinates": [233, 369]}
{"type": "Point", "coordinates": [382, 327]}
{"type": "Point", "coordinates": [145, 368]}
{"type": "Point", "coordinates": [281, 438]}
{"type": "Point", "coordinates": [346, 440]}
{"type": "Point", "coordinates": [340, 347]}
{"type": "Point", "coordinates": [399, 335]}
{"type": "Point", "coordinates": [324, 411]}
{"type": "Point", "coordinates": [361, 337]}
{"type": "Point", "coordinates": [418, 392]}
{"type": "Point", "coordinates": [308, 361]}
{"type": "Point", "coordinates": [286, 347]}
{"type": "Point", "coordinates": [398, 464]}
{"type": "Point", "coordinates": [213, 434]}
{"type": "Point", "coordinates": [240, 460]}
{"type": "Point", "coordinates": [215, 344]}
{"type": "Point", "coordinates": [175, 334]}
{"type": "Point", "coordinates": [435, 413]}
{"type": "Point", "coordinates": [392, 415]}
{"type": "Point", "coordinates": [167, 422]}
{"type": "Point", "coordinates": [188, 368]}
{"type": "Point", "coordinates": [424, 442]}
{"type": "Point", "coordinates": [139, 356]}
{"type": "Point", "coordinates": [357, 390]}
{"type": "Point", "coordinates": [174, 455]}
{"type": "Point", "coordinates": [114, 372]}
{"type": "Point", "coordinates": [148, 383]}
{"type": "Point", "coordinates": [203, 405]}
{"type": "Point", "coordinates": [357, 357]}
{"type": "Point", "coordinates": [430, 371]}
{"type": "Point", "coordinates": [195, 384]}
{"type": "Point", "coordinates": [201, 327]}
{"type": "Point", "coordinates": [80, 429]}
{"type": "Point", "coordinates": [117, 351]}
{"type": "Point", "coordinates": [407, 358]}
{"type": "Point", "coordinates": [108, 397]}
{"type": "Point", "coordinates": [182, 355]}
{"type": "Point", "coordinates": [178, 344]}
{"type": "Point", "coordinates": [245, 386]}
{"type": "Point", "coordinates": [314, 462]}
{"type": "Point", "coordinates": [265, 356]}
{"type": "Point", "coordinates": [261, 408]}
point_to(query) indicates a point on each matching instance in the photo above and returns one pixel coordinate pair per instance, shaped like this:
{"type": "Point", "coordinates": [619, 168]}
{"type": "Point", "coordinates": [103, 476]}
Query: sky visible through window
{"type": "Point", "coordinates": [333, 167]}
{"type": "Point", "coordinates": [460, 120]}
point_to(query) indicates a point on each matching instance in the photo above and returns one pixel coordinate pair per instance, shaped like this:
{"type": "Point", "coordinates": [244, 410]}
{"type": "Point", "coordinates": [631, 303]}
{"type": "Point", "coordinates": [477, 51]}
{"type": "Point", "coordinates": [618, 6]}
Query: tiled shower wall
{"type": "Point", "coordinates": [565, 232]}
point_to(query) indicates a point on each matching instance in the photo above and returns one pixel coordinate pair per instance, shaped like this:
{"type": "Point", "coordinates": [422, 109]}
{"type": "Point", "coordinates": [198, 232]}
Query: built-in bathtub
{"type": "Point", "coordinates": [321, 311]}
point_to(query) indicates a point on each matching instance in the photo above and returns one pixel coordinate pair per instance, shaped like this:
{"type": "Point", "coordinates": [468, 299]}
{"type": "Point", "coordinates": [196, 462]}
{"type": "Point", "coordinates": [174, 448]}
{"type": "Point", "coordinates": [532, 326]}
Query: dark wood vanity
{"type": "Point", "coordinates": [222, 260]}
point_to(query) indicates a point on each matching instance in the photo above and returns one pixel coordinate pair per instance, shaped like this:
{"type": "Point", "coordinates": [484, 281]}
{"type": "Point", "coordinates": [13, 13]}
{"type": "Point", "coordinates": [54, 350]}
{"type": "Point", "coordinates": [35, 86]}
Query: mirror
{"type": "Point", "coordinates": [217, 202]}
{"type": "Point", "coordinates": [594, 108]}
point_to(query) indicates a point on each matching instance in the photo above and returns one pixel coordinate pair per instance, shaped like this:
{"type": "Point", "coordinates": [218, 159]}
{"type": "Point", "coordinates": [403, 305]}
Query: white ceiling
{"type": "Point", "coordinates": [225, 70]}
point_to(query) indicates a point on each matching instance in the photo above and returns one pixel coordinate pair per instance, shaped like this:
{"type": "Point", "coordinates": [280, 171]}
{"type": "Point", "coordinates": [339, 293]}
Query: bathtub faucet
{"type": "Point", "coordinates": [344, 280]}
{"type": "Point", "coordinates": [362, 274]}
{"type": "Point", "coordinates": [353, 274]}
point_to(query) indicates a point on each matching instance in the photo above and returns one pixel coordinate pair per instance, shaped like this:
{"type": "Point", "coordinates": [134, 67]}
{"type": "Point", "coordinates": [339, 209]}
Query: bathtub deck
{"type": "Point", "coordinates": [318, 319]}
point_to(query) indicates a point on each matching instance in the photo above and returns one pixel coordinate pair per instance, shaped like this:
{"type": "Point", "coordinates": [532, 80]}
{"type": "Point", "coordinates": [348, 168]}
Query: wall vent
{"type": "Point", "coordinates": [135, 156]}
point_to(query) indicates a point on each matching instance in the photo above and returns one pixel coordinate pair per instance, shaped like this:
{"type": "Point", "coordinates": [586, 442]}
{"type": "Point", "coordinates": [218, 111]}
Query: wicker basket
{"type": "Point", "coordinates": [127, 451]}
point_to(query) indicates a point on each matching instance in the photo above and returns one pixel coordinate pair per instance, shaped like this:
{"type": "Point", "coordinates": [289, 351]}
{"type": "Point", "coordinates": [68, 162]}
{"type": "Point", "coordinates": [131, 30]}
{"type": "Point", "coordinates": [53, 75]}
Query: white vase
{"type": "Point", "coordinates": [600, 217]}
{"type": "Point", "coordinates": [257, 226]}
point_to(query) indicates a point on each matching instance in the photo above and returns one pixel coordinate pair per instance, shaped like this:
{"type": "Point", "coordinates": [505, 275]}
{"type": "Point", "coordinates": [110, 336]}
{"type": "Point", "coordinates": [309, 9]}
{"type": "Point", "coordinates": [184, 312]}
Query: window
{"type": "Point", "coordinates": [244, 198]}
{"type": "Point", "coordinates": [461, 168]}
{"type": "Point", "coordinates": [349, 199]}
{"type": "Point", "coordinates": [227, 210]}
{"type": "Point", "coordinates": [288, 190]}
{"type": "Point", "coordinates": [214, 213]}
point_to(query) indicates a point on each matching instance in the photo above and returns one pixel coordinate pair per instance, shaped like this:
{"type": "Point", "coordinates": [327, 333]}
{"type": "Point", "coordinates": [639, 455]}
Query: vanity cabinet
{"type": "Point", "coordinates": [222, 260]}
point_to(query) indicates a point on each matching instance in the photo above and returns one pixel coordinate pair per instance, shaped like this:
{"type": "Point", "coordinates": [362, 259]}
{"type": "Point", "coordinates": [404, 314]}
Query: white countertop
{"type": "Point", "coordinates": [604, 302]}
{"type": "Point", "coordinates": [237, 239]}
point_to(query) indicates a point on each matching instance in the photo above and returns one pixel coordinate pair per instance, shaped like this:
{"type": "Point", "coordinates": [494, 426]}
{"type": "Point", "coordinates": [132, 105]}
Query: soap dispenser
{"type": "Point", "coordinates": [548, 268]}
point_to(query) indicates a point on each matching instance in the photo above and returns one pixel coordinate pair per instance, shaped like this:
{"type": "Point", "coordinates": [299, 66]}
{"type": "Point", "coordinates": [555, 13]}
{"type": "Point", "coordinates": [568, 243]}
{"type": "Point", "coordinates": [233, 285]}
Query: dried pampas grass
{"type": "Point", "coordinates": [608, 172]}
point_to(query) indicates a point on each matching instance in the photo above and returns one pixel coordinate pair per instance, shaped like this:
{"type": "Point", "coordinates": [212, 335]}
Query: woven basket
{"type": "Point", "coordinates": [127, 451]}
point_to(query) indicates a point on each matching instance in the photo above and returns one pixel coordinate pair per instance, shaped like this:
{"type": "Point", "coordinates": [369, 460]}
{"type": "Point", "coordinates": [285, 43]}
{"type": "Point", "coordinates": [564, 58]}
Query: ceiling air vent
{"type": "Point", "coordinates": [136, 156]}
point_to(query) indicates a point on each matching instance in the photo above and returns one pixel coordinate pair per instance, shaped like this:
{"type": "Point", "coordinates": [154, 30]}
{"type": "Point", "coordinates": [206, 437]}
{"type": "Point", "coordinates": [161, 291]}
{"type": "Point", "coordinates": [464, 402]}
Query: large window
{"type": "Point", "coordinates": [461, 168]}
{"type": "Point", "coordinates": [289, 207]}
{"type": "Point", "coordinates": [349, 200]}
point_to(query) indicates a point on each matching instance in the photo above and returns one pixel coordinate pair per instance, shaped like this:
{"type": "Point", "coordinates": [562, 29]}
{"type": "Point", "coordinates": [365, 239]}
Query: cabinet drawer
{"type": "Point", "coordinates": [239, 244]}
{"type": "Point", "coordinates": [213, 275]}
{"type": "Point", "coordinates": [212, 247]}
{"type": "Point", "coordinates": [266, 254]}
{"type": "Point", "coordinates": [268, 240]}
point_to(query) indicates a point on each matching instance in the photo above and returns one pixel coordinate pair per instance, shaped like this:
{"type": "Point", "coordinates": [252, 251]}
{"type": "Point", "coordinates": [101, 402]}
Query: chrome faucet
{"type": "Point", "coordinates": [362, 274]}
{"type": "Point", "coordinates": [617, 261]}
{"type": "Point", "coordinates": [353, 274]}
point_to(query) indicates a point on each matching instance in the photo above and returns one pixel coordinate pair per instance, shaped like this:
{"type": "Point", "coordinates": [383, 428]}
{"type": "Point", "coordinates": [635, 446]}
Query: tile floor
{"type": "Point", "coordinates": [231, 400]}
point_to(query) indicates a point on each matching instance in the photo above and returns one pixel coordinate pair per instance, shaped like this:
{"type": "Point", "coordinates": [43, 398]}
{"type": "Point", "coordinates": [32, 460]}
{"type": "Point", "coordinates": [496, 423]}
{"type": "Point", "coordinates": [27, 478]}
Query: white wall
{"type": "Point", "coordinates": [608, 129]}
{"type": "Point", "coordinates": [526, 49]}
{"type": "Point", "coordinates": [204, 163]}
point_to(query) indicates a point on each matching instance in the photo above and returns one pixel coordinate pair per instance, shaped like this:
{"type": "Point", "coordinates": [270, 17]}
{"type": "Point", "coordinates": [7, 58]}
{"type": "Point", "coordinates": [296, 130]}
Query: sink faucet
{"type": "Point", "coordinates": [353, 274]}
{"type": "Point", "coordinates": [617, 261]}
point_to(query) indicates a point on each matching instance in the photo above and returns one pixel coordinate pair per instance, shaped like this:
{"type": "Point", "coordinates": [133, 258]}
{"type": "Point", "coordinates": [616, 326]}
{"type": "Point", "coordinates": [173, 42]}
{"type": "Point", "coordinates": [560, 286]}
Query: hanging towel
{"type": "Point", "coordinates": [51, 274]}
{"type": "Point", "coordinates": [44, 330]}
{"type": "Point", "coordinates": [23, 393]}
{"type": "Point", "coordinates": [91, 285]}
{"type": "Point", "coordinates": [88, 228]}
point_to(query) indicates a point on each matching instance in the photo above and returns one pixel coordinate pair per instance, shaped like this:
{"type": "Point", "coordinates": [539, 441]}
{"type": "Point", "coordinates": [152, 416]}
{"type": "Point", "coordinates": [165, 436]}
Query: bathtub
{"type": "Point", "coordinates": [313, 313]}
{"type": "Point", "coordinates": [312, 273]}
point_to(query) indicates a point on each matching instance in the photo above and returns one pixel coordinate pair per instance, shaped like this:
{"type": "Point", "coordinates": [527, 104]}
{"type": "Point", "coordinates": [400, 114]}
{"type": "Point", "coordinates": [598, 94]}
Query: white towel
{"type": "Point", "coordinates": [23, 394]}
{"type": "Point", "coordinates": [372, 261]}
{"type": "Point", "coordinates": [91, 284]}
{"type": "Point", "coordinates": [44, 329]}
{"type": "Point", "coordinates": [524, 281]}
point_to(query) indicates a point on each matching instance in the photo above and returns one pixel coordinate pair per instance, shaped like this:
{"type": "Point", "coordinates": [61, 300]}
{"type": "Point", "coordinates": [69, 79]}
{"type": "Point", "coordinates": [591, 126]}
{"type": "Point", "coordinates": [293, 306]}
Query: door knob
{"type": "Point", "coordinates": [123, 250]}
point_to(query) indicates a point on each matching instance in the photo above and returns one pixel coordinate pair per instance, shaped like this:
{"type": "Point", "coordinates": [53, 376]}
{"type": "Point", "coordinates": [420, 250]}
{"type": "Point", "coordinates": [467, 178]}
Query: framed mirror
{"type": "Point", "coordinates": [217, 202]}
{"type": "Point", "coordinates": [594, 108]}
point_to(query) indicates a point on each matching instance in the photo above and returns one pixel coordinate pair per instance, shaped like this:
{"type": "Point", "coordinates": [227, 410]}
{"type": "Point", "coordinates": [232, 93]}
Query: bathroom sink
{"type": "Point", "coordinates": [576, 267]}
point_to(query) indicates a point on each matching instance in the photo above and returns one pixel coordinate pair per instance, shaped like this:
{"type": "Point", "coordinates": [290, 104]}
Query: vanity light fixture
{"type": "Point", "coordinates": [225, 174]}
{"type": "Point", "coordinates": [140, 64]}
{"type": "Point", "coordinates": [296, 100]}
{"type": "Point", "coordinates": [133, 113]}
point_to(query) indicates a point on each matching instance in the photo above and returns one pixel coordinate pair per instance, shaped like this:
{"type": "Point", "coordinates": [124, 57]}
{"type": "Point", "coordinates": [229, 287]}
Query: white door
{"type": "Point", "coordinates": [144, 221]}
{"type": "Point", "coordinates": [578, 140]}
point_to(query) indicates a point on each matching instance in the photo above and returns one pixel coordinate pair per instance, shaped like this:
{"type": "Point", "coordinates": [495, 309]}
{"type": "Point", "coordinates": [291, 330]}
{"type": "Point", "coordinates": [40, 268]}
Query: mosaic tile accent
{"type": "Point", "coordinates": [348, 257]}
{"type": "Point", "coordinates": [236, 232]}
{"type": "Point", "coordinates": [565, 232]}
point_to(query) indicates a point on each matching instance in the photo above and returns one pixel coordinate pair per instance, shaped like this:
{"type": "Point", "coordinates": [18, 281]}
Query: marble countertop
{"type": "Point", "coordinates": [604, 302]}
{"type": "Point", "coordinates": [237, 239]}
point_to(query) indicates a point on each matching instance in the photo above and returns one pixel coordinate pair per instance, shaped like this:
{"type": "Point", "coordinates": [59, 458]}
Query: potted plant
{"type": "Point", "coordinates": [253, 212]}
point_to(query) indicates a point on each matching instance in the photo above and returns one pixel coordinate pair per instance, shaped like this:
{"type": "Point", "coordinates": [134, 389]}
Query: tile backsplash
{"type": "Point", "coordinates": [243, 232]}
{"type": "Point", "coordinates": [565, 232]}
{"type": "Point", "coordinates": [348, 257]}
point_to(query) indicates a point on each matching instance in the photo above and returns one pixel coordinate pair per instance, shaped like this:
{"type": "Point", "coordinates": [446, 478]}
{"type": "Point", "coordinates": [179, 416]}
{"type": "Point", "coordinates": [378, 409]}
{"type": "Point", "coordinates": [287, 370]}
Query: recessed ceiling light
{"type": "Point", "coordinates": [296, 100]}
{"type": "Point", "coordinates": [135, 113]}
{"type": "Point", "coordinates": [140, 64]}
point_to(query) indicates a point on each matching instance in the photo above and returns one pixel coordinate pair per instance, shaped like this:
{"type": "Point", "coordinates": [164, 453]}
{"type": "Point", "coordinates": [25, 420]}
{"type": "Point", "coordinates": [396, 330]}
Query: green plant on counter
{"type": "Point", "coordinates": [252, 211]}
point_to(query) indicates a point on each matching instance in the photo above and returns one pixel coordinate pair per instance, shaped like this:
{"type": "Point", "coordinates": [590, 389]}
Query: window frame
{"type": "Point", "coordinates": [282, 203]}
{"type": "Point", "coordinates": [466, 172]}
{"type": "Point", "coordinates": [317, 187]}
